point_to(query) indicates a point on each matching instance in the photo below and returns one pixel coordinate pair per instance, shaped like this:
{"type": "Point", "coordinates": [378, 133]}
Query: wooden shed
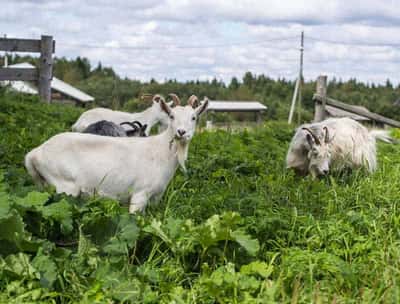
{"type": "Point", "coordinates": [218, 106]}
{"type": "Point", "coordinates": [60, 91]}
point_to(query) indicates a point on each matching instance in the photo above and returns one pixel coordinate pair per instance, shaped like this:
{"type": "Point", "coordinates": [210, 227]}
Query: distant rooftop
{"type": "Point", "coordinates": [56, 84]}
{"type": "Point", "coordinates": [235, 106]}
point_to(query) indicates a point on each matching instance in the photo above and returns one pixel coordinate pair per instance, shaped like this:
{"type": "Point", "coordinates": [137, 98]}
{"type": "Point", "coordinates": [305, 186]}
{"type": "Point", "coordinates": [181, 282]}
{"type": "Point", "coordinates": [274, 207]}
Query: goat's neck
{"type": "Point", "coordinates": [148, 117]}
{"type": "Point", "coordinates": [177, 150]}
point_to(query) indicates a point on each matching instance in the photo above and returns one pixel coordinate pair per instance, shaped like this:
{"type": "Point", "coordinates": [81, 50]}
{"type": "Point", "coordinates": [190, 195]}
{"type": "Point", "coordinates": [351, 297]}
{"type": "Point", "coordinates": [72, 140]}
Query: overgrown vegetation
{"type": "Point", "coordinates": [238, 228]}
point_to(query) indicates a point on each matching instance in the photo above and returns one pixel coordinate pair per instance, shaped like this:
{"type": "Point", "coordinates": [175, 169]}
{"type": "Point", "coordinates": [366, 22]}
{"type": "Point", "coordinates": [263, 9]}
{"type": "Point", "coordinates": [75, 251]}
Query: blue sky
{"type": "Point", "coordinates": [190, 40]}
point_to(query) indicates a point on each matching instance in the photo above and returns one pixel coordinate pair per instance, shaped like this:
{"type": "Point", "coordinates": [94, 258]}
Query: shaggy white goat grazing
{"type": "Point", "coordinates": [335, 143]}
{"type": "Point", "coordinates": [117, 167]}
{"type": "Point", "coordinates": [150, 116]}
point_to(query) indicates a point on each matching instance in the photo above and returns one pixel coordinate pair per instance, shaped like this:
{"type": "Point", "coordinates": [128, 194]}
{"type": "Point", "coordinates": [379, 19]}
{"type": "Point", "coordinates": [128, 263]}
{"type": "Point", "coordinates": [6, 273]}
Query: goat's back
{"type": "Point", "coordinates": [94, 115]}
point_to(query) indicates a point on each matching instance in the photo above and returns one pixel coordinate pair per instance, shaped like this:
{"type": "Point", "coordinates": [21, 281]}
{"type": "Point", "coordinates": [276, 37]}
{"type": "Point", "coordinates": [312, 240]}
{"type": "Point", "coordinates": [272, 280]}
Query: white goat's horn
{"type": "Point", "coordinates": [193, 101]}
{"type": "Point", "coordinates": [175, 98]}
{"type": "Point", "coordinates": [316, 139]}
{"type": "Point", "coordinates": [158, 98]}
{"type": "Point", "coordinates": [326, 134]}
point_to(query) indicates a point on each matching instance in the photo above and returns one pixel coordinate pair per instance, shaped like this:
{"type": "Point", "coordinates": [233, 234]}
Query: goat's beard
{"type": "Point", "coordinates": [182, 148]}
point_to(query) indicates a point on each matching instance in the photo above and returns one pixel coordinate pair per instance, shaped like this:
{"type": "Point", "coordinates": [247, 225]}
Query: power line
{"type": "Point", "coordinates": [163, 47]}
{"type": "Point", "coordinates": [356, 43]}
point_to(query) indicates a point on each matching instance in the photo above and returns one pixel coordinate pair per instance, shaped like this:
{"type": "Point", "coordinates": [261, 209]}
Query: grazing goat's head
{"type": "Point", "coordinates": [137, 128]}
{"type": "Point", "coordinates": [161, 115]}
{"type": "Point", "coordinates": [319, 155]}
{"type": "Point", "coordinates": [183, 119]}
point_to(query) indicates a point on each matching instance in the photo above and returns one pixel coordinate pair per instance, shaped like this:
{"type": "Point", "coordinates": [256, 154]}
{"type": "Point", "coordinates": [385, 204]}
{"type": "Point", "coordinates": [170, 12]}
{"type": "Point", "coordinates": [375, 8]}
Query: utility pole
{"type": "Point", "coordinates": [300, 77]}
{"type": "Point", "coordinates": [297, 88]}
{"type": "Point", "coordinates": [5, 56]}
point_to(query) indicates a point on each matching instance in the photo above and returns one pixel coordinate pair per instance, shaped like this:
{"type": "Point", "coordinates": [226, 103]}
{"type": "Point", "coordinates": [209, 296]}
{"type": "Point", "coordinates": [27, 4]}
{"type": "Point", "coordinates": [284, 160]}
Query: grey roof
{"type": "Point", "coordinates": [335, 112]}
{"type": "Point", "coordinates": [56, 84]}
{"type": "Point", "coordinates": [235, 106]}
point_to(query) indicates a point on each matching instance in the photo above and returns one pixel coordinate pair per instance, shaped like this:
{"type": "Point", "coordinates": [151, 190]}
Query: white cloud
{"type": "Point", "coordinates": [172, 36]}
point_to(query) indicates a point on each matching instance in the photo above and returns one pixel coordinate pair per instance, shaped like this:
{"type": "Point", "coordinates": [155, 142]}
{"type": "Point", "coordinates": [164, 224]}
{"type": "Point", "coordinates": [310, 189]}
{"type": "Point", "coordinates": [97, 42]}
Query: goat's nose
{"type": "Point", "coordinates": [325, 172]}
{"type": "Point", "coordinates": [181, 132]}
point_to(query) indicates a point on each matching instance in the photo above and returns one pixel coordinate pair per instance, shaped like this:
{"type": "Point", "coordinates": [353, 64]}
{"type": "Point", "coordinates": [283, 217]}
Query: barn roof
{"type": "Point", "coordinates": [335, 112]}
{"type": "Point", "coordinates": [235, 106]}
{"type": "Point", "coordinates": [56, 84]}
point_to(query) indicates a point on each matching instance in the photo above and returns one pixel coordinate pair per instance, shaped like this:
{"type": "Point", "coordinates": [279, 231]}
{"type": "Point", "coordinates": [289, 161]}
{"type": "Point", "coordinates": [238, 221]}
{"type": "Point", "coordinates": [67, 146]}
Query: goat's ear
{"type": "Point", "coordinates": [165, 107]}
{"type": "Point", "coordinates": [310, 140]}
{"type": "Point", "coordinates": [144, 127]}
{"type": "Point", "coordinates": [203, 107]}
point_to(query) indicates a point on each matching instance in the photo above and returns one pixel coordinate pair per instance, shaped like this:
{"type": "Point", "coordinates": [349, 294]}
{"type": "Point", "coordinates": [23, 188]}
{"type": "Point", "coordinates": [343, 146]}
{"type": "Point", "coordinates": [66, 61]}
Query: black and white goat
{"type": "Point", "coordinates": [108, 128]}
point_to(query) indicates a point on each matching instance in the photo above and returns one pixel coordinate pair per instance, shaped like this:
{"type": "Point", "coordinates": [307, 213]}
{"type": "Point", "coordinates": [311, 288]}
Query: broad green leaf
{"type": "Point", "coordinates": [60, 212]}
{"type": "Point", "coordinates": [125, 236]}
{"type": "Point", "coordinates": [5, 205]}
{"type": "Point", "coordinates": [155, 229]}
{"type": "Point", "coordinates": [251, 245]}
{"type": "Point", "coordinates": [11, 227]}
{"type": "Point", "coordinates": [33, 201]}
{"type": "Point", "coordinates": [47, 269]}
{"type": "Point", "coordinates": [257, 267]}
{"type": "Point", "coordinates": [19, 266]}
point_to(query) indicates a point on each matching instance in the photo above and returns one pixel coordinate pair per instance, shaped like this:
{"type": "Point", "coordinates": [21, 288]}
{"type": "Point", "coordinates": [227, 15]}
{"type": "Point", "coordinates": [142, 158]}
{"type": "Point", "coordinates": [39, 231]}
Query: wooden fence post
{"type": "Point", "coordinates": [320, 111]}
{"type": "Point", "coordinates": [259, 117]}
{"type": "Point", "coordinates": [46, 68]}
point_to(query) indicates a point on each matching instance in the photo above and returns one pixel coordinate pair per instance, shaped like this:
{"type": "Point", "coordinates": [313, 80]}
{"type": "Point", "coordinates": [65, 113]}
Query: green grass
{"type": "Point", "coordinates": [237, 228]}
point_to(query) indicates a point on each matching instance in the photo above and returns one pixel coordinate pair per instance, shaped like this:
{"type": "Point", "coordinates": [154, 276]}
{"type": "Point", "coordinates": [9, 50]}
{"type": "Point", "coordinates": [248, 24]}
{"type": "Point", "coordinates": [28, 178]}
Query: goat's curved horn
{"type": "Point", "coordinates": [158, 98]}
{"type": "Point", "coordinates": [326, 138]}
{"type": "Point", "coordinates": [193, 101]}
{"type": "Point", "coordinates": [316, 139]}
{"type": "Point", "coordinates": [175, 98]}
{"type": "Point", "coordinates": [134, 127]}
{"type": "Point", "coordinates": [137, 123]}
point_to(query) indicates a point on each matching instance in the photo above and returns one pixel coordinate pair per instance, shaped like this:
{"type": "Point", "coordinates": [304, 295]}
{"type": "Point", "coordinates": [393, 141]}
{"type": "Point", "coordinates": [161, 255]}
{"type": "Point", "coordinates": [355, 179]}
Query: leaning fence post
{"type": "Point", "coordinates": [321, 89]}
{"type": "Point", "coordinates": [46, 67]}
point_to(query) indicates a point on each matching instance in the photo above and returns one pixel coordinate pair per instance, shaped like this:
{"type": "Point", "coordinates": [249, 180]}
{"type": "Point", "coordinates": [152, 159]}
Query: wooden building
{"type": "Point", "coordinates": [60, 91]}
{"type": "Point", "coordinates": [222, 106]}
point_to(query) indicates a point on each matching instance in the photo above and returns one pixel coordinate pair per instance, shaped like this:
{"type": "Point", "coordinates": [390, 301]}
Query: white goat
{"type": "Point", "coordinates": [150, 116]}
{"type": "Point", "coordinates": [335, 143]}
{"type": "Point", "coordinates": [117, 167]}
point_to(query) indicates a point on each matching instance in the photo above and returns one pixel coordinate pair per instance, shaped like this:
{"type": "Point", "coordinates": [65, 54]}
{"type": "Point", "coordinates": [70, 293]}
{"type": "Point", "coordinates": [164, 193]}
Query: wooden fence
{"type": "Point", "coordinates": [321, 100]}
{"type": "Point", "coordinates": [46, 47]}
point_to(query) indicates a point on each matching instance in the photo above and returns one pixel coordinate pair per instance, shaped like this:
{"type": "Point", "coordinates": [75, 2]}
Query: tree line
{"type": "Point", "coordinates": [114, 91]}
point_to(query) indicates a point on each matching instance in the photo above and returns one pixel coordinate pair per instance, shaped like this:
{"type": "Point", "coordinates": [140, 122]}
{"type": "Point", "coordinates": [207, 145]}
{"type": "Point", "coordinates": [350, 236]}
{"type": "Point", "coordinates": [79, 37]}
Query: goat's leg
{"type": "Point", "coordinates": [67, 187]}
{"type": "Point", "coordinates": [138, 202]}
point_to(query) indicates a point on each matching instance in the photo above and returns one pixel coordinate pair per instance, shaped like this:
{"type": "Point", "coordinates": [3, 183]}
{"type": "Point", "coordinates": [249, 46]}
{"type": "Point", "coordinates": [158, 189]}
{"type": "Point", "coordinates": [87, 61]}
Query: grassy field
{"type": "Point", "coordinates": [237, 228]}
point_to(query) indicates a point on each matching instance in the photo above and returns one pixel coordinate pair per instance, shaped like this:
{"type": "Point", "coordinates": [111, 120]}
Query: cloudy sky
{"type": "Point", "coordinates": [203, 39]}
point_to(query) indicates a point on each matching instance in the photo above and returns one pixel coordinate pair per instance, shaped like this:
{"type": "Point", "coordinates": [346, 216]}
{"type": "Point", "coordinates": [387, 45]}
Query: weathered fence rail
{"type": "Point", "coordinates": [321, 100]}
{"type": "Point", "coordinates": [46, 47]}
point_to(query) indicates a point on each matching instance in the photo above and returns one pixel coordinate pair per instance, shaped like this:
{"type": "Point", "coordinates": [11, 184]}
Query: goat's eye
{"type": "Point", "coordinates": [194, 118]}
{"type": "Point", "coordinates": [171, 116]}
